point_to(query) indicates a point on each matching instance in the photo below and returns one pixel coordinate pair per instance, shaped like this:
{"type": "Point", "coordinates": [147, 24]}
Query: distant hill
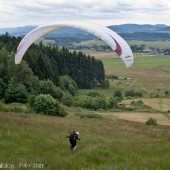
{"type": "Point", "coordinates": [128, 31]}
{"type": "Point", "coordinates": [165, 29]}
{"type": "Point", "coordinates": [64, 32]}
{"type": "Point", "coordinates": [146, 36]}
{"type": "Point", "coordinates": [130, 28]}
{"type": "Point", "coordinates": [18, 31]}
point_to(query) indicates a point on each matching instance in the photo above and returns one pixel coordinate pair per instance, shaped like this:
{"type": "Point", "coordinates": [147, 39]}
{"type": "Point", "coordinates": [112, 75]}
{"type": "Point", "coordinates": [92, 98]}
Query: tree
{"type": "Point", "coordinates": [16, 92]}
{"type": "Point", "coordinates": [68, 84]}
{"type": "Point", "coordinates": [118, 94]}
{"type": "Point", "coordinates": [46, 104]}
{"type": "Point", "coordinates": [112, 103]}
{"type": "Point", "coordinates": [105, 84]}
{"type": "Point", "coordinates": [47, 87]}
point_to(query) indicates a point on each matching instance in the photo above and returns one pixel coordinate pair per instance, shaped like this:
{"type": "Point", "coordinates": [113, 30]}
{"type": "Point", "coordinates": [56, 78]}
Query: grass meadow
{"type": "Point", "coordinates": [109, 140]}
{"type": "Point", "coordinates": [154, 44]}
{"type": "Point", "coordinates": [148, 72]}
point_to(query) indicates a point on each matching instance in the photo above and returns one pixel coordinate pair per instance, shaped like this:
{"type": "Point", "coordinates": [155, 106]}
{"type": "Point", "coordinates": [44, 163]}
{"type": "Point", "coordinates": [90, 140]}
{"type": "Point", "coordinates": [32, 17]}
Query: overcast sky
{"type": "Point", "coordinates": [15, 13]}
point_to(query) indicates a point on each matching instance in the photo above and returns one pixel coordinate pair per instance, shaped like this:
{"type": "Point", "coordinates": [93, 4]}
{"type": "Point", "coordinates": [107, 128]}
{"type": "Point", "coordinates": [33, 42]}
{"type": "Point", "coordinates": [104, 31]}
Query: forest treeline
{"type": "Point", "coordinates": [50, 62]}
{"type": "Point", "coordinates": [47, 78]}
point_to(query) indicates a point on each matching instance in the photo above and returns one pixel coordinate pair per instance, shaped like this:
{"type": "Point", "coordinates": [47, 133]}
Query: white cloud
{"type": "Point", "coordinates": [37, 12]}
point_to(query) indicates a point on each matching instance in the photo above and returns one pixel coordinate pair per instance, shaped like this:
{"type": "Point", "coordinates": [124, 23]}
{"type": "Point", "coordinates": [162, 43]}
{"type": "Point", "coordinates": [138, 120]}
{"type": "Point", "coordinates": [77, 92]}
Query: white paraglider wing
{"type": "Point", "coordinates": [110, 37]}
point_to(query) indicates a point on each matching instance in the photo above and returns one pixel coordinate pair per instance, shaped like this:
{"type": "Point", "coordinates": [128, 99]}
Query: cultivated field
{"type": "Point", "coordinates": [148, 72]}
{"type": "Point", "coordinates": [154, 44]}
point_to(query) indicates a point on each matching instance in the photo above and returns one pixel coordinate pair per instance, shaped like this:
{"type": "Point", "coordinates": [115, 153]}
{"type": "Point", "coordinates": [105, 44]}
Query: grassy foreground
{"type": "Point", "coordinates": [106, 143]}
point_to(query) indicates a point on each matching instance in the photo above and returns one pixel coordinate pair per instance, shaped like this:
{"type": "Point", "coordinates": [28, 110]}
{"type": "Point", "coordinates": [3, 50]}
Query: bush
{"type": "Point", "coordinates": [46, 104]}
{"type": "Point", "coordinates": [68, 84]}
{"type": "Point", "coordinates": [67, 99]}
{"type": "Point", "coordinates": [105, 84]}
{"type": "Point", "coordinates": [118, 94]}
{"type": "Point", "coordinates": [138, 103]}
{"type": "Point", "coordinates": [31, 100]}
{"type": "Point", "coordinates": [133, 93]}
{"type": "Point", "coordinates": [151, 121]}
{"type": "Point", "coordinates": [72, 89]}
{"type": "Point", "coordinates": [14, 107]}
{"type": "Point", "coordinates": [93, 94]}
{"type": "Point", "coordinates": [16, 93]}
{"type": "Point", "coordinates": [99, 103]}
{"type": "Point", "coordinates": [87, 103]}
{"type": "Point", "coordinates": [47, 87]}
{"type": "Point", "coordinates": [93, 103]}
{"type": "Point", "coordinates": [112, 77]}
{"type": "Point", "coordinates": [166, 92]}
{"type": "Point", "coordinates": [112, 103]}
{"type": "Point", "coordinates": [1, 105]}
{"type": "Point", "coordinates": [89, 115]}
{"type": "Point", "coordinates": [60, 110]}
{"type": "Point", "coordinates": [2, 89]}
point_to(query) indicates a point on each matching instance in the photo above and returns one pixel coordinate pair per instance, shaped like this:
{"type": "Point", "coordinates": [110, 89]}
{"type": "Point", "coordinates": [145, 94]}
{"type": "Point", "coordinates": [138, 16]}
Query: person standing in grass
{"type": "Point", "coordinates": [73, 137]}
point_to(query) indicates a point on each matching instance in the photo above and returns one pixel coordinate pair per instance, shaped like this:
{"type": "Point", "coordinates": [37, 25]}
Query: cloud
{"type": "Point", "coordinates": [24, 12]}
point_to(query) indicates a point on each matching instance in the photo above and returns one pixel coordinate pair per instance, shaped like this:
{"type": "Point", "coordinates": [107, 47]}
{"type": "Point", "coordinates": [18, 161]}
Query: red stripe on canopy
{"type": "Point", "coordinates": [118, 49]}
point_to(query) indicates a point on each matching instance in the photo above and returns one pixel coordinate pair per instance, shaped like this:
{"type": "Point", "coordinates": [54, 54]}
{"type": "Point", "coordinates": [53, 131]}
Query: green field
{"type": "Point", "coordinates": [106, 142]}
{"type": "Point", "coordinates": [146, 61]}
{"type": "Point", "coordinates": [146, 70]}
{"type": "Point", "coordinates": [154, 44]}
{"type": "Point", "coordinates": [109, 140]}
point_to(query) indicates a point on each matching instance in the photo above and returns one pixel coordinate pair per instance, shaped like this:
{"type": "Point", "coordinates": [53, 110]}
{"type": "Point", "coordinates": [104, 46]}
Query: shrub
{"type": "Point", "coordinates": [166, 92]}
{"type": "Point", "coordinates": [1, 105]}
{"type": "Point", "coordinates": [105, 84]}
{"type": "Point", "coordinates": [71, 89]}
{"type": "Point", "coordinates": [138, 103]}
{"type": "Point", "coordinates": [68, 84]}
{"type": "Point", "coordinates": [112, 103]}
{"type": "Point", "coordinates": [93, 94]}
{"type": "Point", "coordinates": [87, 103]}
{"type": "Point", "coordinates": [99, 103]}
{"type": "Point", "coordinates": [94, 103]}
{"type": "Point", "coordinates": [67, 99]}
{"type": "Point", "coordinates": [31, 100]}
{"type": "Point", "coordinates": [16, 93]}
{"type": "Point", "coordinates": [60, 110]}
{"type": "Point", "coordinates": [47, 87]}
{"type": "Point", "coordinates": [46, 104]}
{"type": "Point", "coordinates": [2, 88]}
{"type": "Point", "coordinates": [89, 115]}
{"type": "Point", "coordinates": [112, 77]}
{"type": "Point", "coordinates": [151, 121]}
{"type": "Point", "coordinates": [118, 94]}
{"type": "Point", "coordinates": [133, 93]}
{"type": "Point", "coordinates": [14, 107]}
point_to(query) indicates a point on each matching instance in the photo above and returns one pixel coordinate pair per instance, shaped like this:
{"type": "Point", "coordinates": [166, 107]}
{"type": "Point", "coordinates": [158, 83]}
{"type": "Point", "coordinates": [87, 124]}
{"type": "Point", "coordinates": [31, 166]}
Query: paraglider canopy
{"type": "Point", "coordinates": [117, 43]}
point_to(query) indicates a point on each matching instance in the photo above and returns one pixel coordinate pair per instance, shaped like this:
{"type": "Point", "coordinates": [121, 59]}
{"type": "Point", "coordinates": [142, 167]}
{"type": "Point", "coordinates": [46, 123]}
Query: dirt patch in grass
{"type": "Point", "coordinates": [162, 119]}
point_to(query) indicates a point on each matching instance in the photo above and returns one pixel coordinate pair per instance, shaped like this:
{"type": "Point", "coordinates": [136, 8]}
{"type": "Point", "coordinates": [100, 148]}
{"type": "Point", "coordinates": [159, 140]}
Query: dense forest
{"type": "Point", "coordinates": [46, 70]}
{"type": "Point", "coordinates": [50, 62]}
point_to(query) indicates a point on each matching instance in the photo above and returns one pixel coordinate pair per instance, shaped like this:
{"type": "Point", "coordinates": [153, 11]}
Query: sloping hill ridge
{"type": "Point", "coordinates": [128, 31]}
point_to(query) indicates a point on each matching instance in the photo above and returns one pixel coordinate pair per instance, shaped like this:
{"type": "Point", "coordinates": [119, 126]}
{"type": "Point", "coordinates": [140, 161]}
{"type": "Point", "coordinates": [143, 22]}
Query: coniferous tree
{"type": "Point", "coordinates": [48, 62]}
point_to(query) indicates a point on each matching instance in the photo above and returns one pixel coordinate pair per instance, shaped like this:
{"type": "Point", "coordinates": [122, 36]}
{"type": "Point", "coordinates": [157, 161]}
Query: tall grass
{"type": "Point", "coordinates": [107, 143]}
{"type": "Point", "coordinates": [14, 107]}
